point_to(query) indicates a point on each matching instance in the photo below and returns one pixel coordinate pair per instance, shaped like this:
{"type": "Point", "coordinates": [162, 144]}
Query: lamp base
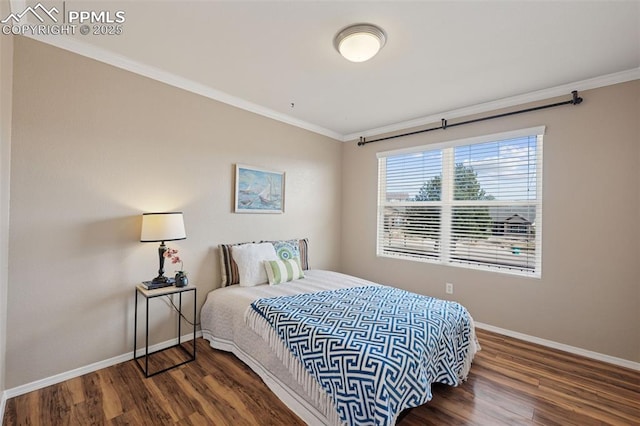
{"type": "Point", "coordinates": [161, 279]}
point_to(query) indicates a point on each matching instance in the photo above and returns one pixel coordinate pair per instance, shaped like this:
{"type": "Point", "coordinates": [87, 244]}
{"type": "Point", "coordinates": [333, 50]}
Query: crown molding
{"type": "Point", "coordinates": [565, 89]}
{"type": "Point", "coordinates": [122, 62]}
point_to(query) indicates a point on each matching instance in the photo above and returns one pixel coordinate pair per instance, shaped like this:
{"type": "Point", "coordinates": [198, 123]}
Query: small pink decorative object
{"type": "Point", "coordinates": [181, 276]}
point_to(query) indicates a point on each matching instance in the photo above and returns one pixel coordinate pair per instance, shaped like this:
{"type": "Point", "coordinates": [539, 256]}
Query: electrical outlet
{"type": "Point", "coordinates": [448, 288]}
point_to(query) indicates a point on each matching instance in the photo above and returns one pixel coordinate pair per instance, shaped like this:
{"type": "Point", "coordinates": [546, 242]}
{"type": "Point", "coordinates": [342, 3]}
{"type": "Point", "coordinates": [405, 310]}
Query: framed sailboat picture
{"type": "Point", "coordinates": [259, 190]}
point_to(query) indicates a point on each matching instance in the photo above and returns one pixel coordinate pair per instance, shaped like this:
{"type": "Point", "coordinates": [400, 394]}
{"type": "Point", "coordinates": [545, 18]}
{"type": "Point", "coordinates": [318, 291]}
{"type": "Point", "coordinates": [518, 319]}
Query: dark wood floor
{"type": "Point", "coordinates": [511, 383]}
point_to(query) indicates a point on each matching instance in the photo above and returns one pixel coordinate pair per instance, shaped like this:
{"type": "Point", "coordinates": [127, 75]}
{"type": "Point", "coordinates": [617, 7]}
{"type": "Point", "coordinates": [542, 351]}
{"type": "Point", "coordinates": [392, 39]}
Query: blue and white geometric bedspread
{"type": "Point", "coordinates": [375, 350]}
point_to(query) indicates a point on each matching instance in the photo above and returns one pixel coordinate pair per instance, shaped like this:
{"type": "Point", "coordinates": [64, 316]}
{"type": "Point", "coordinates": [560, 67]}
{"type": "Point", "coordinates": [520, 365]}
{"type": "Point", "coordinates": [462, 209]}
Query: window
{"type": "Point", "coordinates": [475, 203]}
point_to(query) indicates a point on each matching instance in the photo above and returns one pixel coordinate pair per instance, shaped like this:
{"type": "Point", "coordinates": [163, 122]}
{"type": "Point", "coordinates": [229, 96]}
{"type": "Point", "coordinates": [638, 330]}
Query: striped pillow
{"type": "Point", "coordinates": [282, 271]}
{"type": "Point", "coordinates": [229, 269]}
{"type": "Point", "coordinates": [304, 253]}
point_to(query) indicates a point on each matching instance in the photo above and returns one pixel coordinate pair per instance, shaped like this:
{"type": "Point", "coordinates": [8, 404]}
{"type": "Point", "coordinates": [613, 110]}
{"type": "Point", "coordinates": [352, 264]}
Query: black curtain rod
{"type": "Point", "coordinates": [574, 101]}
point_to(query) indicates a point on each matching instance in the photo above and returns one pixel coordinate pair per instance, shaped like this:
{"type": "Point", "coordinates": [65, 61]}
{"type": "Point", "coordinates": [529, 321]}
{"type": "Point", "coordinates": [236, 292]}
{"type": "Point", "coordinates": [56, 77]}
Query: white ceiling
{"type": "Point", "coordinates": [440, 56]}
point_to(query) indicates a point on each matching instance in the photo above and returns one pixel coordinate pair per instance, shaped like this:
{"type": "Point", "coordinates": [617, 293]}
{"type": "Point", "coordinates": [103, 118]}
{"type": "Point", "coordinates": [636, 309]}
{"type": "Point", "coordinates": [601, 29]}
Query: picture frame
{"type": "Point", "coordinates": [258, 190]}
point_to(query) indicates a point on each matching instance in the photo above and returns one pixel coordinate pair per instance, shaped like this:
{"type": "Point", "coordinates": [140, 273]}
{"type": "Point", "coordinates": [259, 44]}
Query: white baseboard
{"type": "Point", "coordinates": [3, 403]}
{"type": "Point", "coordinates": [562, 347]}
{"type": "Point", "coordinates": [39, 384]}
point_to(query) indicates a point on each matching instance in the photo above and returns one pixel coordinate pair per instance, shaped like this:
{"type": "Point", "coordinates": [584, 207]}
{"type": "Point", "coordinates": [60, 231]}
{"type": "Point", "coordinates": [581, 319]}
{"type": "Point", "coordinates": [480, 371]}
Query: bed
{"type": "Point", "coordinates": [305, 339]}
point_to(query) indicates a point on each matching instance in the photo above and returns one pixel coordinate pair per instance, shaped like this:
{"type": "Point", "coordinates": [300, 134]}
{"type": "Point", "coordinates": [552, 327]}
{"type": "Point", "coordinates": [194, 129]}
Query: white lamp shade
{"type": "Point", "coordinates": [162, 227]}
{"type": "Point", "coordinates": [359, 43]}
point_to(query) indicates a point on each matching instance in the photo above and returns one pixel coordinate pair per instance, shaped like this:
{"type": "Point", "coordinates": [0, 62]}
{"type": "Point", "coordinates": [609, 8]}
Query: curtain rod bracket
{"type": "Point", "coordinates": [576, 99]}
{"type": "Point", "coordinates": [362, 141]}
{"type": "Point", "coordinates": [444, 124]}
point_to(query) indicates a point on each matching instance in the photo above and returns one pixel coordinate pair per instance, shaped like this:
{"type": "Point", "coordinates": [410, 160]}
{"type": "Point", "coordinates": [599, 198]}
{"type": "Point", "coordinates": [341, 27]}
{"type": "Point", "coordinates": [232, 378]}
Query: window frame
{"type": "Point", "coordinates": [447, 203]}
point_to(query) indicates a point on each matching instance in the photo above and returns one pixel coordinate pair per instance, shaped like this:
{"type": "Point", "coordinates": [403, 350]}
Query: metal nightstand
{"type": "Point", "coordinates": [151, 294]}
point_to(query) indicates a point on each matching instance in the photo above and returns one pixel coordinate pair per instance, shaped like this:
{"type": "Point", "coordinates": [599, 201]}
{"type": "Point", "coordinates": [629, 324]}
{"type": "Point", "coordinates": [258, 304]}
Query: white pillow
{"type": "Point", "coordinates": [250, 260]}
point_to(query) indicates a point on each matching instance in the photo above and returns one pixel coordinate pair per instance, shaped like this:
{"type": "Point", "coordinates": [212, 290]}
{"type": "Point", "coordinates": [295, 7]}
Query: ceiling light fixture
{"type": "Point", "coordinates": [360, 42]}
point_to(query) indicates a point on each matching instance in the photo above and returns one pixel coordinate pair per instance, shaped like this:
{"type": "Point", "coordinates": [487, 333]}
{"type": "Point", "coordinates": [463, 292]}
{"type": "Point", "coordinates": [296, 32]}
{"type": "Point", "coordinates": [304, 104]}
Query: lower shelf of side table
{"type": "Point", "coordinates": [165, 359]}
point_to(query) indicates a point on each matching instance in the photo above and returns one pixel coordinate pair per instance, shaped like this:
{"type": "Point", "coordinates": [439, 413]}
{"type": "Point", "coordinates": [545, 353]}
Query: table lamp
{"type": "Point", "coordinates": [161, 227]}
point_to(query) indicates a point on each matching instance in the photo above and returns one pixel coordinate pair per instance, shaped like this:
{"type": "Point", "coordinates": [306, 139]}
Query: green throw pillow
{"type": "Point", "coordinates": [282, 271]}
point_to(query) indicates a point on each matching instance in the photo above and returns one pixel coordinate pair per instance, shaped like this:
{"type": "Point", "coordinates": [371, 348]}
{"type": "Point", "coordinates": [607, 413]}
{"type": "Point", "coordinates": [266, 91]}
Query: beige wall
{"type": "Point", "coordinates": [589, 294]}
{"type": "Point", "coordinates": [6, 73]}
{"type": "Point", "coordinates": [93, 148]}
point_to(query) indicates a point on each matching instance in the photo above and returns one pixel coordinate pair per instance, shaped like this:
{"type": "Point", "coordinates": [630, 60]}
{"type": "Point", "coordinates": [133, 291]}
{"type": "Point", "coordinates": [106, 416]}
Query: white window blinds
{"type": "Point", "coordinates": [474, 203]}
